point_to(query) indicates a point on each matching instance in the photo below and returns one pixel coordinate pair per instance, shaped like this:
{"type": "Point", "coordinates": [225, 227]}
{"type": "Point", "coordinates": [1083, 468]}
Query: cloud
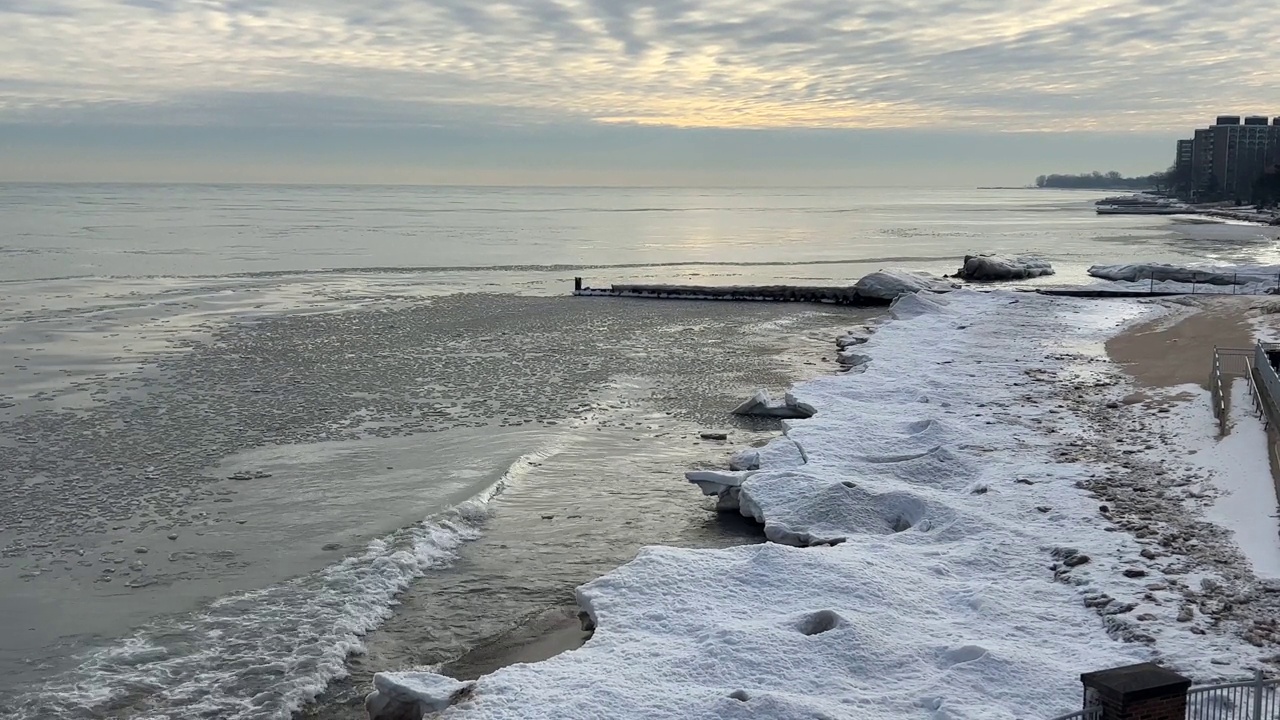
{"type": "Point", "coordinates": [979, 64]}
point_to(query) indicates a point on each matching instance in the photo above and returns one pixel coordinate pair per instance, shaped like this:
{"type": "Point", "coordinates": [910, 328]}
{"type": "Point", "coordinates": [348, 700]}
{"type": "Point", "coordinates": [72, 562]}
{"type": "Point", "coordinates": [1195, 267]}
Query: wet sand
{"type": "Point", "coordinates": [1178, 349]}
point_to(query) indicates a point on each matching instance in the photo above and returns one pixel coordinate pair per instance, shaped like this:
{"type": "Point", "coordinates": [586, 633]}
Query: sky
{"type": "Point", "coordinates": [619, 92]}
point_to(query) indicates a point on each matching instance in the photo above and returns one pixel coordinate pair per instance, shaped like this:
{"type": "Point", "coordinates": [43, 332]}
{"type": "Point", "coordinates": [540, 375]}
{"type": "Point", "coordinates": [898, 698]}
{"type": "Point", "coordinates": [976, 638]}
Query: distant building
{"type": "Point", "coordinates": [1223, 160]}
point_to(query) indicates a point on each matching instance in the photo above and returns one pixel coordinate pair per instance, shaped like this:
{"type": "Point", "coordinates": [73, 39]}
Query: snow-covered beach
{"type": "Point", "coordinates": [1012, 490]}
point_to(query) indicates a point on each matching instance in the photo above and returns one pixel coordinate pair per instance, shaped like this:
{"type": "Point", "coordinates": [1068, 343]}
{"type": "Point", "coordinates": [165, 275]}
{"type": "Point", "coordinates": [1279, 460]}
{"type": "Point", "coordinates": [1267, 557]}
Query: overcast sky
{"type": "Point", "coordinates": [740, 92]}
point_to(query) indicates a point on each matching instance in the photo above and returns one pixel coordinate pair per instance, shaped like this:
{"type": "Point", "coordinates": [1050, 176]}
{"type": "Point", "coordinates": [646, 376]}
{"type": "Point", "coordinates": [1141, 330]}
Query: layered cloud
{"type": "Point", "coordinates": [990, 64]}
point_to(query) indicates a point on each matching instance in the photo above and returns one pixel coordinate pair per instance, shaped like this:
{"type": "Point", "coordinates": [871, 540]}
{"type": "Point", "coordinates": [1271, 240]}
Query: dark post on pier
{"type": "Point", "coordinates": [577, 284]}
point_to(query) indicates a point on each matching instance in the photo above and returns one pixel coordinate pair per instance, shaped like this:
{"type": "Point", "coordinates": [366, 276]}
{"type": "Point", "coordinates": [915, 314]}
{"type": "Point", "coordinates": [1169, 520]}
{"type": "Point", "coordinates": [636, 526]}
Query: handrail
{"type": "Point", "coordinates": [1217, 390]}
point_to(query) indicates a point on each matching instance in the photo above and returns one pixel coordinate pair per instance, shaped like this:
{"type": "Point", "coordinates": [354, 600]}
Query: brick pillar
{"type": "Point", "coordinates": [1144, 691]}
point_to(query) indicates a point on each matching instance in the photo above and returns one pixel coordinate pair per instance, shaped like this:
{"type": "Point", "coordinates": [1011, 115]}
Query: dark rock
{"type": "Point", "coordinates": [1076, 560]}
{"type": "Point", "coordinates": [1134, 572]}
{"type": "Point", "coordinates": [330, 546]}
{"type": "Point", "coordinates": [1148, 553]}
{"type": "Point", "coordinates": [1119, 608]}
{"type": "Point", "coordinates": [714, 436]}
{"type": "Point", "coordinates": [1043, 508]}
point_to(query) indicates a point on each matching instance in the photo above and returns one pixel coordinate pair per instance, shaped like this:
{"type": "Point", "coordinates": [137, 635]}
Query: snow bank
{"type": "Point", "coordinates": [990, 268]}
{"type": "Point", "coordinates": [1238, 468]}
{"type": "Point", "coordinates": [939, 516]}
{"type": "Point", "coordinates": [1189, 274]}
{"type": "Point", "coordinates": [889, 284]}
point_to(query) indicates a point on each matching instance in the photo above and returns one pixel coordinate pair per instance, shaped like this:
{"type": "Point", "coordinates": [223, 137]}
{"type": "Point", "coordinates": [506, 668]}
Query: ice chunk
{"type": "Point", "coordinates": [853, 338]}
{"type": "Point", "coordinates": [713, 482]}
{"type": "Point", "coordinates": [760, 405]}
{"type": "Point", "coordinates": [989, 268]}
{"type": "Point", "coordinates": [889, 284]}
{"type": "Point", "coordinates": [781, 452]}
{"type": "Point", "coordinates": [748, 459]}
{"type": "Point", "coordinates": [411, 695]}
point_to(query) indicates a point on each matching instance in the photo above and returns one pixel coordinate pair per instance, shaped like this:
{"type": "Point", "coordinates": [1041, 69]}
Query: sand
{"type": "Point", "coordinates": [1164, 354]}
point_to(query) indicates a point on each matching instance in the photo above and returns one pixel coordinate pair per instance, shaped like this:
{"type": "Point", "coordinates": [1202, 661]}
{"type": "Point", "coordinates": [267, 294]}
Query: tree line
{"type": "Point", "coordinates": [1099, 180]}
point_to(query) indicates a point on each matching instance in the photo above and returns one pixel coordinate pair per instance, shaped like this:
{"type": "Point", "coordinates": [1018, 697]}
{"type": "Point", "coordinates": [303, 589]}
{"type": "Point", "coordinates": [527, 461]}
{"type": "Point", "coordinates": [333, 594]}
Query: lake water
{"type": "Point", "coordinates": [242, 427]}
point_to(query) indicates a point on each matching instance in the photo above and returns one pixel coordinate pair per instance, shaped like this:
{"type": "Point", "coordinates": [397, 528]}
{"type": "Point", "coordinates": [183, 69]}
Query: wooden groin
{"type": "Point", "coordinates": [740, 293]}
{"type": "Point", "coordinates": [821, 294]}
{"type": "Point", "coordinates": [1088, 293]}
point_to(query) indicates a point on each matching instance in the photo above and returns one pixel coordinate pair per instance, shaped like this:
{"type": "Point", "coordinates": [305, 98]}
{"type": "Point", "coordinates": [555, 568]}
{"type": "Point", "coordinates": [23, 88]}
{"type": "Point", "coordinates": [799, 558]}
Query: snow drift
{"type": "Point", "coordinates": [991, 268]}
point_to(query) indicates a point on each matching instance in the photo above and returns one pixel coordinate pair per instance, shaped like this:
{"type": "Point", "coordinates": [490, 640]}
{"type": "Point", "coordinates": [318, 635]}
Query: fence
{"type": "Point", "coordinates": [1254, 699]}
{"type": "Point", "coordinates": [1255, 357]}
{"type": "Point", "coordinates": [1200, 282]}
{"type": "Point", "coordinates": [1270, 380]}
{"type": "Point", "coordinates": [1249, 700]}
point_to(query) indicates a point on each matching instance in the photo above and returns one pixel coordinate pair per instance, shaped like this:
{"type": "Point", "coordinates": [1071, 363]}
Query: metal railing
{"type": "Point", "coordinates": [1266, 372]}
{"type": "Point", "coordinates": [1218, 388]}
{"type": "Point", "coordinates": [1254, 699]}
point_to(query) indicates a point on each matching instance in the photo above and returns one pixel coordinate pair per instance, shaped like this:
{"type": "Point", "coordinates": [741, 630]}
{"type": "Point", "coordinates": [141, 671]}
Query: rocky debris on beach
{"type": "Point", "coordinates": [889, 284]}
{"type": "Point", "coordinates": [1146, 496]}
{"type": "Point", "coordinates": [761, 405]}
{"type": "Point", "coordinates": [993, 268]}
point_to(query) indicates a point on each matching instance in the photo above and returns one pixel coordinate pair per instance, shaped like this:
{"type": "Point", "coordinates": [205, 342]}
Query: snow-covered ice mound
{"type": "Point", "coordinates": [991, 268]}
{"type": "Point", "coordinates": [951, 567]}
{"type": "Point", "coordinates": [889, 284]}
{"type": "Point", "coordinates": [1187, 275]}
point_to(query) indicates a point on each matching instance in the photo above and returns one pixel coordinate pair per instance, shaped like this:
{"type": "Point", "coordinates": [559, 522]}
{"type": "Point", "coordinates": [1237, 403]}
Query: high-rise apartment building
{"type": "Point", "coordinates": [1228, 156]}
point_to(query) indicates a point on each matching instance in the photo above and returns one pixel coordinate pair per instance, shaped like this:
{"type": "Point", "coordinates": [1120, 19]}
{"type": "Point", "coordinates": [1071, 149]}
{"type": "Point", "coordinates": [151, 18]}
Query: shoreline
{"type": "Point", "coordinates": [1157, 358]}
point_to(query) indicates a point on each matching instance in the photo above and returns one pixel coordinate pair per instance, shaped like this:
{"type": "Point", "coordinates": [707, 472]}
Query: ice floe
{"type": "Point", "coordinates": [410, 695]}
